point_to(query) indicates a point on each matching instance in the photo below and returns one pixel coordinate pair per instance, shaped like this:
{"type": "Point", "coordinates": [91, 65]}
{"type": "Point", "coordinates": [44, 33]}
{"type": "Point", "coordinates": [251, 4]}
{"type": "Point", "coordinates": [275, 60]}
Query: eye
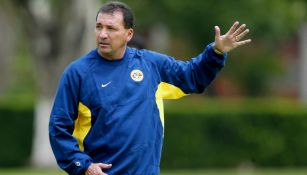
{"type": "Point", "coordinates": [98, 27]}
{"type": "Point", "coordinates": [112, 28]}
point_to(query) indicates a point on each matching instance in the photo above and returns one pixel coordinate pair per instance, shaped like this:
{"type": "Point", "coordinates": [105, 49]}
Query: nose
{"type": "Point", "coordinates": [103, 33]}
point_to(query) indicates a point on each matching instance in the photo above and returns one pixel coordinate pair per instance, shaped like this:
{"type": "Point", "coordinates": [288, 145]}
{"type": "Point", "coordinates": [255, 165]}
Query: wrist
{"type": "Point", "coordinates": [217, 51]}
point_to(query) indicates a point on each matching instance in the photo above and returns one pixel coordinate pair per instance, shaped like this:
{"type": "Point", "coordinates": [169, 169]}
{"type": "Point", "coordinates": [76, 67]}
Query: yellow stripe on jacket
{"type": "Point", "coordinates": [82, 124]}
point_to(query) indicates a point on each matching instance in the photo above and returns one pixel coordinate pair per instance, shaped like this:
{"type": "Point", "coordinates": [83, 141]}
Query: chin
{"type": "Point", "coordinates": [104, 51]}
{"type": "Point", "coordinates": [101, 52]}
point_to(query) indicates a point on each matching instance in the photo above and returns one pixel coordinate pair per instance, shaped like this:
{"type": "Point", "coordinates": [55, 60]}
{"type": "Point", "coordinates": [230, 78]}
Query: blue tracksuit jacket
{"type": "Point", "coordinates": [112, 111]}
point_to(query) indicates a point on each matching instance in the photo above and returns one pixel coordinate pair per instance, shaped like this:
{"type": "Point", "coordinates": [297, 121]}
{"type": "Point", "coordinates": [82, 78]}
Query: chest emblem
{"type": "Point", "coordinates": [137, 75]}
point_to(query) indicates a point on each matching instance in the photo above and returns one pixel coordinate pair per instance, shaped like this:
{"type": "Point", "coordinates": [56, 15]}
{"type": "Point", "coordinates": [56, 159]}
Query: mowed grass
{"type": "Point", "coordinates": [178, 172]}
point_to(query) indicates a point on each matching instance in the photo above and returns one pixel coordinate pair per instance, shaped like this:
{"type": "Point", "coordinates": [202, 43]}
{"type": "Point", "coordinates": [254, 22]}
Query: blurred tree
{"type": "Point", "coordinates": [8, 39]}
{"type": "Point", "coordinates": [253, 70]}
{"type": "Point", "coordinates": [268, 20]}
{"type": "Point", "coordinates": [55, 33]}
{"type": "Point", "coordinates": [303, 63]}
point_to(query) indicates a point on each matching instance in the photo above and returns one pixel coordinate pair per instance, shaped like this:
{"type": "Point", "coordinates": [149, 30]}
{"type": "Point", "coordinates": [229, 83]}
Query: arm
{"type": "Point", "coordinates": [194, 76]}
{"type": "Point", "coordinates": [61, 125]}
{"type": "Point", "coordinates": [191, 76]}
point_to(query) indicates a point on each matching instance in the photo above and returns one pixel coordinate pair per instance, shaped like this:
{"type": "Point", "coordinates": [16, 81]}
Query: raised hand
{"type": "Point", "coordinates": [232, 39]}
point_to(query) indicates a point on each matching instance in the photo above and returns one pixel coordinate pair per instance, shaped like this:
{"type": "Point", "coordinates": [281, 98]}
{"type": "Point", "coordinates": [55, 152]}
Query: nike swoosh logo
{"type": "Point", "coordinates": [105, 85]}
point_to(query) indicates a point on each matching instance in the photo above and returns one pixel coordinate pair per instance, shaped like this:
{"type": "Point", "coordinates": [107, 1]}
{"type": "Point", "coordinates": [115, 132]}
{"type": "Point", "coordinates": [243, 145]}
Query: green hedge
{"type": "Point", "coordinates": [16, 129]}
{"type": "Point", "coordinates": [199, 133]}
{"type": "Point", "coordinates": [229, 133]}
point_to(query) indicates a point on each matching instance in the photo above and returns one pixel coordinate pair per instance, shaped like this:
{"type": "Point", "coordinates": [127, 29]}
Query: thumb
{"type": "Point", "coordinates": [217, 33]}
{"type": "Point", "coordinates": [104, 166]}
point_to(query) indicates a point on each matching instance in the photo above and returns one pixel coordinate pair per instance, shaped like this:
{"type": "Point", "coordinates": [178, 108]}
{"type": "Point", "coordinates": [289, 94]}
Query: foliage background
{"type": "Point", "coordinates": [266, 69]}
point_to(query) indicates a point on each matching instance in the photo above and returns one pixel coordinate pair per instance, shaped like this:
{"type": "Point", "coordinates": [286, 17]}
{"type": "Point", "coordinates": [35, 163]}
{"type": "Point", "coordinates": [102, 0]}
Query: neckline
{"type": "Point", "coordinates": [114, 62]}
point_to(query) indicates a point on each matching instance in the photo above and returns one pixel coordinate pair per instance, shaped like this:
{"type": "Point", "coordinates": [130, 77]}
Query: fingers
{"type": "Point", "coordinates": [233, 28]}
{"type": "Point", "coordinates": [104, 166]}
{"type": "Point", "coordinates": [241, 35]}
{"type": "Point", "coordinates": [241, 43]}
{"type": "Point", "coordinates": [239, 31]}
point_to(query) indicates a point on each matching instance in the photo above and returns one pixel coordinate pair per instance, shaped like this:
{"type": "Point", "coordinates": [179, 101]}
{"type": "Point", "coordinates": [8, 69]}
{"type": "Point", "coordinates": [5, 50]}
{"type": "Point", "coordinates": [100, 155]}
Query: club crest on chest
{"type": "Point", "coordinates": [137, 75]}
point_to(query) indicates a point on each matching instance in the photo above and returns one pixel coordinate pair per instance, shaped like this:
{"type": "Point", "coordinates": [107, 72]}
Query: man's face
{"type": "Point", "coordinates": [111, 35]}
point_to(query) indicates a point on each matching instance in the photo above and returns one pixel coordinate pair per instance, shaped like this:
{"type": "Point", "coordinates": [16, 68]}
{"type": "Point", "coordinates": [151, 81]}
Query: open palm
{"type": "Point", "coordinates": [232, 39]}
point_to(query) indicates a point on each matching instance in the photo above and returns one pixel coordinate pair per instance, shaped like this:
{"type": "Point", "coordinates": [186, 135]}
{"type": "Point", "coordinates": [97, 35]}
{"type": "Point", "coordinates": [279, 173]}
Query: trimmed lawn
{"type": "Point", "coordinates": [240, 172]}
{"type": "Point", "coordinates": [164, 172]}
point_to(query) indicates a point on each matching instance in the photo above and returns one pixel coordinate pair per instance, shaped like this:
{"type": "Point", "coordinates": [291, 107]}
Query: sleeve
{"type": "Point", "coordinates": [192, 76]}
{"type": "Point", "coordinates": [65, 110]}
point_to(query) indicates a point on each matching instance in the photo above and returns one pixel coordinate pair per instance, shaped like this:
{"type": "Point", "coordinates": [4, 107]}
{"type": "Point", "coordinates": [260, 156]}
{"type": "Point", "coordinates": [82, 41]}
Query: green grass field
{"type": "Point", "coordinates": [183, 172]}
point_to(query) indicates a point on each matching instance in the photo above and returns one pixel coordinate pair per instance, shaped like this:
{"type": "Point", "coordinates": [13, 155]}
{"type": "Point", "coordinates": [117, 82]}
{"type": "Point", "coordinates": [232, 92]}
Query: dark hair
{"type": "Point", "coordinates": [115, 6]}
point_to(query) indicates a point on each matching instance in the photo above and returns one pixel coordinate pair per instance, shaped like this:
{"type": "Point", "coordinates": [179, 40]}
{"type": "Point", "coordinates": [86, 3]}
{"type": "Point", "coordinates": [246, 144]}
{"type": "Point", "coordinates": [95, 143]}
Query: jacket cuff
{"type": "Point", "coordinates": [215, 58]}
{"type": "Point", "coordinates": [79, 166]}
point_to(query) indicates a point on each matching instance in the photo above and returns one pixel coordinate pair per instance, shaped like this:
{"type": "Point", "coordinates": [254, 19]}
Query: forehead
{"type": "Point", "coordinates": [115, 18]}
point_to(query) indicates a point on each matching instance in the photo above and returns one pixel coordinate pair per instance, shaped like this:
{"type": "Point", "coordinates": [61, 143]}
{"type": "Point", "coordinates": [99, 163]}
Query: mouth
{"type": "Point", "coordinates": [104, 44]}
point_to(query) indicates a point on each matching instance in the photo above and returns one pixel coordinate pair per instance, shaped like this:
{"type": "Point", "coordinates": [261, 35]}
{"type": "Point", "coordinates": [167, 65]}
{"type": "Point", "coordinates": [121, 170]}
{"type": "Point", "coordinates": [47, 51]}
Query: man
{"type": "Point", "coordinates": [107, 115]}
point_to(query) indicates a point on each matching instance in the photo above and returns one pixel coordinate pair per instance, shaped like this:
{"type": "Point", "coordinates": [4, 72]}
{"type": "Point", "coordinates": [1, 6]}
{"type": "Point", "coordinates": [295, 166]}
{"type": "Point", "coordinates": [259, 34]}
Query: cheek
{"type": "Point", "coordinates": [96, 36]}
{"type": "Point", "coordinates": [120, 38]}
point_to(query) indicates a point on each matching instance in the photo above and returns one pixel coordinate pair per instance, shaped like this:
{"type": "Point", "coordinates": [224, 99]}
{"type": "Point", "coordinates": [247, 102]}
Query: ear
{"type": "Point", "coordinates": [129, 34]}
